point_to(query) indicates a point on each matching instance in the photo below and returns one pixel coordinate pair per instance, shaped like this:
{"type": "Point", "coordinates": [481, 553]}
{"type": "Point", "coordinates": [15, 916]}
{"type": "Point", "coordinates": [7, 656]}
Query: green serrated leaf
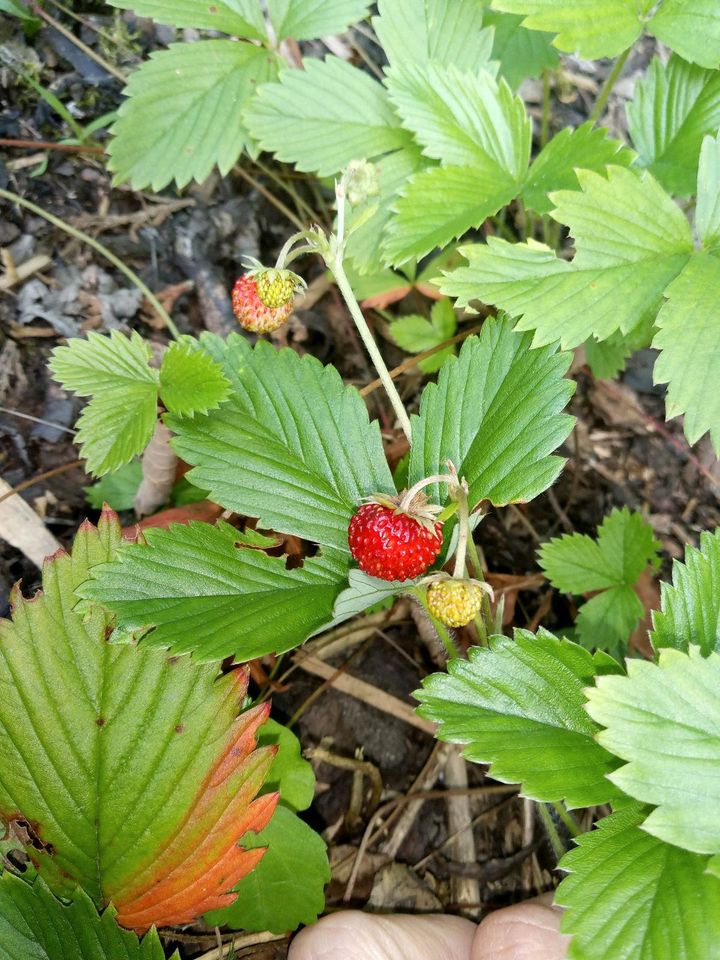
{"type": "Point", "coordinates": [221, 600]}
{"type": "Point", "coordinates": [241, 17]}
{"type": "Point", "coordinates": [88, 367]}
{"type": "Point", "coordinates": [417, 334]}
{"type": "Point", "coordinates": [631, 897]}
{"type": "Point", "coordinates": [690, 607]}
{"type": "Point", "coordinates": [183, 112]}
{"type": "Point", "coordinates": [287, 888]}
{"type": "Point", "coordinates": [674, 106]}
{"type": "Point", "coordinates": [116, 489]}
{"type": "Point", "coordinates": [631, 240]}
{"type": "Point", "coordinates": [501, 434]}
{"type": "Point", "coordinates": [290, 775]}
{"type": "Point", "coordinates": [606, 621]}
{"type": "Point", "coordinates": [120, 419]}
{"type": "Point", "coordinates": [688, 332]}
{"type": "Point", "coordinates": [555, 167]}
{"type": "Point", "coordinates": [592, 28]}
{"type": "Point", "coordinates": [463, 119]}
{"type": "Point", "coordinates": [522, 53]}
{"type": "Point", "coordinates": [111, 752]}
{"type": "Point", "coordinates": [575, 563]}
{"type": "Point", "coordinates": [519, 705]}
{"type": "Point", "coordinates": [308, 19]}
{"type": "Point", "coordinates": [664, 718]}
{"type": "Point", "coordinates": [607, 358]}
{"type": "Point", "coordinates": [363, 592]}
{"type": "Point", "coordinates": [190, 381]}
{"type": "Point", "coordinates": [35, 925]}
{"type": "Point", "coordinates": [445, 31]}
{"type": "Point", "coordinates": [441, 204]}
{"type": "Point", "coordinates": [707, 212]}
{"type": "Point", "coordinates": [283, 448]}
{"type": "Point", "coordinates": [324, 116]}
{"type": "Point", "coordinates": [691, 27]}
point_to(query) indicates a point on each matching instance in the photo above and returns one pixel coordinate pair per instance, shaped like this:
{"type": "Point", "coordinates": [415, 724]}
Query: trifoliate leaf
{"type": "Point", "coordinates": [607, 358]}
{"type": "Point", "coordinates": [519, 705]}
{"type": "Point", "coordinates": [664, 718]}
{"type": "Point", "coordinates": [119, 421]}
{"type": "Point", "coordinates": [688, 332]}
{"type": "Point", "coordinates": [631, 241]}
{"type": "Point", "coordinates": [208, 597]}
{"type": "Point", "coordinates": [35, 925]}
{"type": "Point", "coordinates": [707, 212]}
{"type": "Point", "coordinates": [625, 545]}
{"type": "Point", "coordinates": [307, 19]}
{"type": "Point", "coordinates": [116, 489]}
{"type": "Point", "coordinates": [363, 248]}
{"type": "Point", "coordinates": [284, 446]}
{"type": "Point", "coordinates": [131, 771]}
{"type": "Point", "coordinates": [556, 166]}
{"type": "Point", "coordinates": [496, 412]}
{"type": "Point", "coordinates": [290, 775]}
{"type": "Point", "coordinates": [605, 28]}
{"type": "Point", "coordinates": [631, 897]}
{"type": "Point", "coordinates": [690, 607]}
{"type": "Point", "coordinates": [183, 112]}
{"type": "Point", "coordinates": [445, 31]}
{"type": "Point", "coordinates": [417, 334]}
{"type": "Point", "coordinates": [674, 106]}
{"type": "Point", "coordinates": [238, 17]}
{"type": "Point", "coordinates": [287, 887]}
{"type": "Point", "coordinates": [522, 53]}
{"type": "Point", "coordinates": [324, 116]}
{"type": "Point", "coordinates": [190, 381]}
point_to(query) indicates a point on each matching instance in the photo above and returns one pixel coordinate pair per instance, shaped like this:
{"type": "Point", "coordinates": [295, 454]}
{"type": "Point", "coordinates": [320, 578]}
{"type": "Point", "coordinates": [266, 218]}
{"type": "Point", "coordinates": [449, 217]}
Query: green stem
{"type": "Point", "coordinates": [103, 251]}
{"type": "Point", "coordinates": [551, 830]}
{"type": "Point", "coordinates": [571, 824]}
{"type": "Point", "coordinates": [335, 265]}
{"type": "Point", "coordinates": [464, 532]}
{"type": "Point", "coordinates": [608, 86]}
{"type": "Point", "coordinates": [484, 621]}
{"type": "Point", "coordinates": [440, 628]}
{"type": "Point", "coordinates": [545, 118]}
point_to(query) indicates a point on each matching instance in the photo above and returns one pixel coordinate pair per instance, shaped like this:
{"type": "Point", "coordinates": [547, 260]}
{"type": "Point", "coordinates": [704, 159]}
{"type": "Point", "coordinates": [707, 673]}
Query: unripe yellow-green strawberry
{"type": "Point", "coordinates": [263, 298]}
{"type": "Point", "coordinates": [454, 602]}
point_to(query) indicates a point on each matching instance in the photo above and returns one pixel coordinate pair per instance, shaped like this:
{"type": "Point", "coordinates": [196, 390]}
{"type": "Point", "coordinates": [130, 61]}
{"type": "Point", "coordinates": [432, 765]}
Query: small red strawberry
{"type": "Point", "coordinates": [263, 298]}
{"type": "Point", "coordinates": [394, 540]}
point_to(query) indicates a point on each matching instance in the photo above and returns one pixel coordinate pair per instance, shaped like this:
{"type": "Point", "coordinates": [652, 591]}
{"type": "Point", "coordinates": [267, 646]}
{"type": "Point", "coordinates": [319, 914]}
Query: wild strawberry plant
{"type": "Point", "coordinates": [281, 439]}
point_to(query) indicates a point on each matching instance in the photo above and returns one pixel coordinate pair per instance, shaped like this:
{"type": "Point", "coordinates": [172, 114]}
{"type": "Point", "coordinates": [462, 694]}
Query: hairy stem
{"type": "Point", "coordinates": [103, 251]}
{"type": "Point", "coordinates": [551, 830]}
{"type": "Point", "coordinates": [608, 86]}
{"type": "Point", "coordinates": [335, 265]}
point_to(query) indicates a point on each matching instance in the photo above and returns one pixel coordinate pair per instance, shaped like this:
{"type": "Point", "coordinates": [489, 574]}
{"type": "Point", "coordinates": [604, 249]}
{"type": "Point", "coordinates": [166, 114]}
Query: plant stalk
{"type": "Point", "coordinates": [103, 251]}
{"type": "Point", "coordinates": [608, 86]}
{"type": "Point", "coordinates": [335, 265]}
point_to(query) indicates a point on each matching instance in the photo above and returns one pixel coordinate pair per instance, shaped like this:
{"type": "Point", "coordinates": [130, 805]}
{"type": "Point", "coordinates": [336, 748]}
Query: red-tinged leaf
{"type": "Point", "coordinates": [429, 291]}
{"type": "Point", "coordinates": [381, 301]}
{"type": "Point", "coordinates": [202, 510]}
{"type": "Point", "coordinates": [124, 771]}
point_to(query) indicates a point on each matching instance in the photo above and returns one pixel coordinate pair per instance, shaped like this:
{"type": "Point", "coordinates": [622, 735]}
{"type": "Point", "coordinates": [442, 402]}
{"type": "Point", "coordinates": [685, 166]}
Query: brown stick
{"type": "Point", "coordinates": [49, 145]}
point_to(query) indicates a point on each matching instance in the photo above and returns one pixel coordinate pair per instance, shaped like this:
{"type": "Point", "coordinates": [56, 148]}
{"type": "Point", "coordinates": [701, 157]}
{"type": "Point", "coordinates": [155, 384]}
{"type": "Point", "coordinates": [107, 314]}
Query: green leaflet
{"type": "Point", "coordinates": [183, 113]}
{"type": "Point", "coordinates": [284, 447]}
{"type": "Point", "coordinates": [631, 897]}
{"type": "Point", "coordinates": [520, 706]}
{"type": "Point", "coordinates": [308, 19]}
{"type": "Point", "coordinates": [690, 608]}
{"type": "Point", "coordinates": [206, 596]}
{"type": "Point", "coordinates": [496, 412]}
{"type": "Point", "coordinates": [674, 106]}
{"type": "Point", "coordinates": [664, 719]}
{"type": "Point", "coordinates": [241, 17]}
{"type": "Point", "coordinates": [35, 925]}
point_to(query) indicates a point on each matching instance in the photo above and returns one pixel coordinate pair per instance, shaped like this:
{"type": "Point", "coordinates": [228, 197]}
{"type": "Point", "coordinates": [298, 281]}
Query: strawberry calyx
{"type": "Point", "coordinates": [418, 508]}
{"type": "Point", "coordinates": [275, 287]}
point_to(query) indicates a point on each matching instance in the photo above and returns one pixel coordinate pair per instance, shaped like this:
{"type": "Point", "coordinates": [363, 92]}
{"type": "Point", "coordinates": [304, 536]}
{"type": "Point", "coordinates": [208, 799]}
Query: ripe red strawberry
{"type": "Point", "coordinates": [263, 299]}
{"type": "Point", "coordinates": [393, 542]}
